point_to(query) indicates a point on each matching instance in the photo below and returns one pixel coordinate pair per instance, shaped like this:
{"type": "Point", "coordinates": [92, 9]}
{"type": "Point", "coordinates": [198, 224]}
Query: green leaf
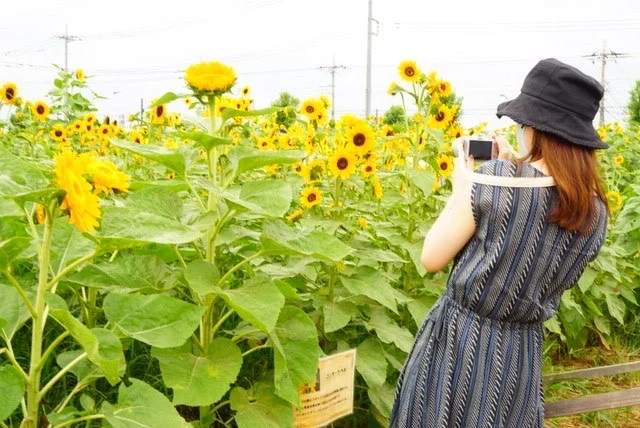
{"type": "Point", "coordinates": [280, 239]}
{"type": "Point", "coordinates": [603, 325]}
{"type": "Point", "coordinates": [11, 391]}
{"type": "Point", "coordinates": [258, 301]}
{"type": "Point", "coordinates": [591, 305]}
{"type": "Point", "coordinates": [228, 113]}
{"type": "Point", "coordinates": [141, 406]}
{"type": "Point", "coordinates": [11, 248]}
{"type": "Point", "coordinates": [265, 410]}
{"type": "Point", "coordinates": [126, 274]}
{"type": "Point", "coordinates": [12, 310]}
{"type": "Point", "coordinates": [68, 244]}
{"type": "Point", "coordinates": [616, 307]}
{"type": "Point", "coordinates": [151, 215]}
{"type": "Point", "coordinates": [627, 294]}
{"type": "Point", "coordinates": [369, 363]}
{"type": "Point", "coordinates": [244, 159]}
{"type": "Point", "coordinates": [41, 196]}
{"type": "Point", "coordinates": [84, 371]}
{"type": "Point", "coordinates": [8, 208]}
{"type": "Point", "coordinates": [415, 252]}
{"type": "Point", "coordinates": [200, 380]}
{"type": "Point", "coordinates": [423, 180]}
{"type": "Point", "coordinates": [337, 315]}
{"type": "Point", "coordinates": [102, 346]}
{"type": "Point", "coordinates": [65, 415]}
{"type": "Point", "coordinates": [369, 282]}
{"type": "Point", "coordinates": [382, 398]}
{"type": "Point", "coordinates": [205, 140]}
{"type": "Point", "coordinates": [388, 331]}
{"type": "Point", "coordinates": [202, 277]}
{"type": "Point", "coordinates": [158, 320]}
{"type": "Point", "coordinates": [170, 158]}
{"type": "Point", "coordinates": [18, 176]}
{"type": "Point", "coordinates": [174, 185]}
{"type": "Point", "coordinates": [553, 326]}
{"type": "Point", "coordinates": [586, 280]}
{"type": "Point", "coordinates": [296, 352]}
{"type": "Point", "coordinates": [265, 197]}
{"type": "Point", "coordinates": [167, 98]}
{"type": "Point", "coordinates": [419, 307]}
{"type": "Point", "coordinates": [379, 255]}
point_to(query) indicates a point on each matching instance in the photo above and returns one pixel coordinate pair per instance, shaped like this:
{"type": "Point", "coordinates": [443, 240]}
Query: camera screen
{"type": "Point", "coordinates": [480, 149]}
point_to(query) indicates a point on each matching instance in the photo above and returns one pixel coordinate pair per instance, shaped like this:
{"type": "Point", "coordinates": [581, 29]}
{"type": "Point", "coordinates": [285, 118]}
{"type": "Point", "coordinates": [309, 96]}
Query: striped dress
{"type": "Point", "coordinates": [477, 357]}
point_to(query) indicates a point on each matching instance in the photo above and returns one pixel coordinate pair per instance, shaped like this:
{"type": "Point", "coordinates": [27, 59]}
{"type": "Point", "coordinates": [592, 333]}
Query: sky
{"type": "Point", "coordinates": [138, 49]}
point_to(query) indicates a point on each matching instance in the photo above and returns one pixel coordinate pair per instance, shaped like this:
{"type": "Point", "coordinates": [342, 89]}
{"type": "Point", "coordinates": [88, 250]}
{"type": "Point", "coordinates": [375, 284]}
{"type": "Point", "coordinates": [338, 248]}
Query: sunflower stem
{"type": "Point", "coordinates": [39, 320]}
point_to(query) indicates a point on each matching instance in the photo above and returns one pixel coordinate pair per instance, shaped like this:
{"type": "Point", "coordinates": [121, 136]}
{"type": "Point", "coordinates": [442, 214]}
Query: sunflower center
{"type": "Point", "coordinates": [309, 109]}
{"type": "Point", "coordinates": [359, 139]}
{"type": "Point", "coordinates": [440, 116]}
{"type": "Point", "coordinates": [342, 163]}
{"type": "Point", "coordinates": [369, 168]}
{"type": "Point", "coordinates": [105, 131]}
{"type": "Point", "coordinates": [58, 133]}
{"type": "Point", "coordinates": [159, 111]}
{"type": "Point", "coordinates": [443, 87]}
{"type": "Point", "coordinates": [311, 197]}
{"type": "Point", "coordinates": [444, 166]}
{"type": "Point", "coordinates": [389, 132]}
{"type": "Point", "coordinates": [410, 71]}
{"type": "Point", "coordinates": [137, 140]}
{"type": "Point", "coordinates": [40, 109]}
{"type": "Point", "coordinates": [10, 93]}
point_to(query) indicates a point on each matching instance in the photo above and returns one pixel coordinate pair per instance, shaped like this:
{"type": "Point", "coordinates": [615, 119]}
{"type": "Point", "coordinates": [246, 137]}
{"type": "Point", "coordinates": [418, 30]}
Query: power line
{"type": "Point", "coordinates": [604, 56]}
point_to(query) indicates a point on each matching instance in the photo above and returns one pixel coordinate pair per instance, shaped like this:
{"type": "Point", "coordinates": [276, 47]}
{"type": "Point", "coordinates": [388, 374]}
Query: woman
{"type": "Point", "coordinates": [477, 358]}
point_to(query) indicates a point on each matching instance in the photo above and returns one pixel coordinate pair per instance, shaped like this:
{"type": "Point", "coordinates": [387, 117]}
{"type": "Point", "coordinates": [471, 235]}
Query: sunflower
{"type": "Point", "coordinates": [444, 88]}
{"type": "Point", "coordinates": [361, 138]}
{"type": "Point", "coordinates": [171, 175]}
{"type": "Point", "coordinates": [342, 163]}
{"type": "Point", "coordinates": [299, 168]}
{"type": "Point", "coordinates": [311, 108]}
{"type": "Point", "coordinates": [393, 89]}
{"type": "Point", "coordinates": [188, 101]}
{"type": "Point", "coordinates": [105, 131]}
{"type": "Point", "coordinates": [106, 177]}
{"type": "Point", "coordinates": [82, 204]}
{"type": "Point", "coordinates": [619, 160]}
{"type": "Point", "coordinates": [159, 114]}
{"type": "Point", "coordinates": [315, 170]}
{"type": "Point", "coordinates": [377, 187]}
{"type": "Point", "coordinates": [294, 215]}
{"type": "Point", "coordinates": [88, 128]}
{"type": "Point", "coordinates": [9, 92]}
{"type": "Point", "coordinates": [441, 119]}
{"type": "Point", "coordinates": [310, 197]}
{"type": "Point", "coordinates": [58, 132]}
{"type": "Point", "coordinates": [210, 77]}
{"type": "Point", "coordinates": [40, 110]}
{"type": "Point", "coordinates": [89, 118]}
{"type": "Point", "coordinates": [80, 74]}
{"type": "Point", "coordinates": [409, 71]}
{"type": "Point", "coordinates": [445, 163]}
{"type": "Point", "coordinates": [136, 137]}
{"type": "Point", "coordinates": [363, 222]}
{"type": "Point", "coordinates": [264, 143]}
{"type": "Point", "coordinates": [246, 91]}
{"type": "Point", "coordinates": [615, 200]}
{"type": "Point", "coordinates": [386, 131]}
{"type": "Point", "coordinates": [369, 168]}
{"type": "Point", "coordinates": [40, 214]}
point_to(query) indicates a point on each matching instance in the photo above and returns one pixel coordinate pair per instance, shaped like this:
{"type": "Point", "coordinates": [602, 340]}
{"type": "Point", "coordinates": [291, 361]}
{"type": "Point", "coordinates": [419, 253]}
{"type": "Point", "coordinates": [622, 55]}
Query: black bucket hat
{"type": "Point", "coordinates": [559, 99]}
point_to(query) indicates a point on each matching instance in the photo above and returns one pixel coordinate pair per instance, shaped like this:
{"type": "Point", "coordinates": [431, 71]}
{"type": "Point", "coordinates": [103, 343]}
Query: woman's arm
{"type": "Point", "coordinates": [455, 224]}
{"type": "Point", "coordinates": [450, 233]}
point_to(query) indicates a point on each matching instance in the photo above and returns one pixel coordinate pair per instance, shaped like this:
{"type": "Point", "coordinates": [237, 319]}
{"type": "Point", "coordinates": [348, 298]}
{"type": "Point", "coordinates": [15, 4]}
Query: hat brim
{"type": "Point", "coordinates": [544, 116]}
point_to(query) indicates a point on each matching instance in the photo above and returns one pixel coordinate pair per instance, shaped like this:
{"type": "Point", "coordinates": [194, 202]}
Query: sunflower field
{"type": "Point", "coordinates": [190, 270]}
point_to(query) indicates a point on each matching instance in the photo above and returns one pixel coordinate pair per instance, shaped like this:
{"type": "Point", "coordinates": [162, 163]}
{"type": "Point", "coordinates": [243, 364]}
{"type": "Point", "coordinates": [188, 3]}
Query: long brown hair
{"type": "Point", "coordinates": [575, 171]}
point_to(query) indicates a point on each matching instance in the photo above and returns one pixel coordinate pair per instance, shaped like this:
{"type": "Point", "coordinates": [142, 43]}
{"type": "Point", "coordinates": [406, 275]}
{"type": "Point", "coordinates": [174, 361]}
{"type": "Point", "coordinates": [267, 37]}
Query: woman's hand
{"type": "Point", "coordinates": [501, 149]}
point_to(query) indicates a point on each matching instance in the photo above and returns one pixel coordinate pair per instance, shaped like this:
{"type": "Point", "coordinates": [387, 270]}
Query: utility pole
{"type": "Point", "coordinates": [67, 39]}
{"type": "Point", "coordinates": [604, 56]}
{"type": "Point", "coordinates": [369, 34]}
{"type": "Point", "coordinates": [332, 69]}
